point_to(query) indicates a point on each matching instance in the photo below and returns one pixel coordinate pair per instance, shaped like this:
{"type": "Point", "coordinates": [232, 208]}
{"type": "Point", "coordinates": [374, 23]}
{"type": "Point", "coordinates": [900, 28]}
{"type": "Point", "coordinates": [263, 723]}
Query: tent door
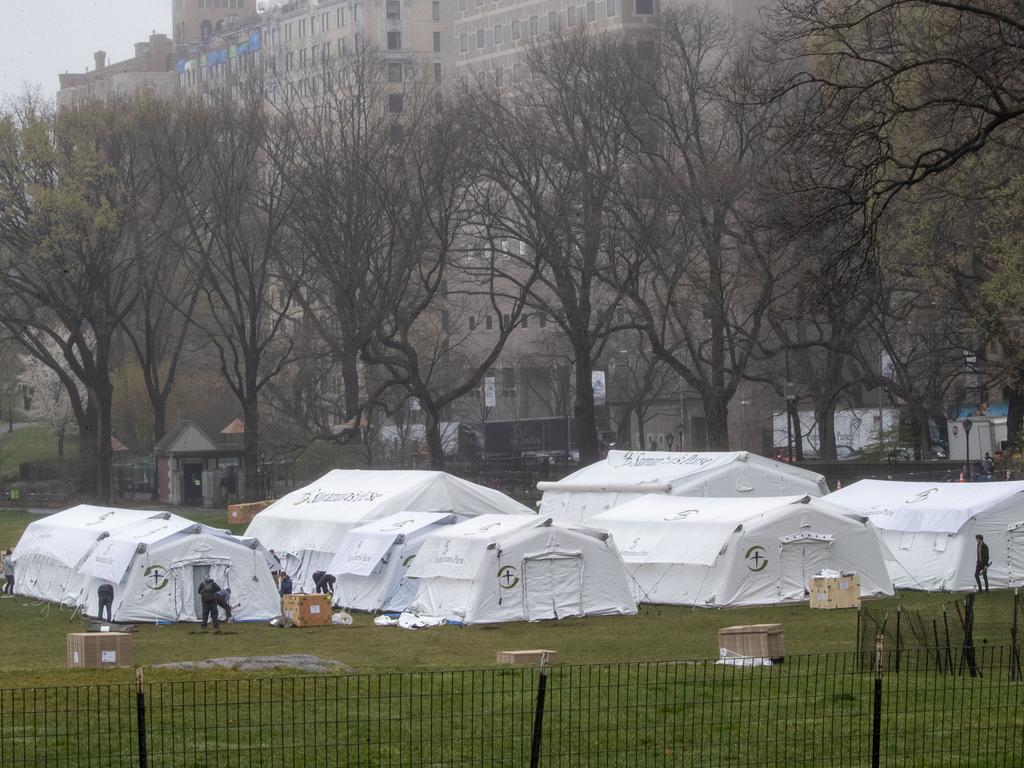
{"type": "Point", "coordinates": [553, 586]}
{"type": "Point", "coordinates": [187, 577]}
{"type": "Point", "coordinates": [798, 561]}
{"type": "Point", "coordinates": [1015, 554]}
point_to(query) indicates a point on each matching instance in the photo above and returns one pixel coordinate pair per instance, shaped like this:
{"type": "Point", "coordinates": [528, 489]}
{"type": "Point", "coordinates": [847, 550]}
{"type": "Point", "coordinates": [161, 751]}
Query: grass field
{"type": "Point", "coordinates": [30, 443]}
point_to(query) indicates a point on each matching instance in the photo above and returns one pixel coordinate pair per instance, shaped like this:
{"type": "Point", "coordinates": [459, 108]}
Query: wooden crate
{"type": "Point", "coordinates": [307, 610]}
{"type": "Point", "coordinates": [530, 658]}
{"type": "Point", "coordinates": [828, 592]}
{"type": "Point", "coordinates": [99, 649]}
{"type": "Point", "coordinates": [763, 641]}
{"type": "Point", "coordinates": [239, 514]}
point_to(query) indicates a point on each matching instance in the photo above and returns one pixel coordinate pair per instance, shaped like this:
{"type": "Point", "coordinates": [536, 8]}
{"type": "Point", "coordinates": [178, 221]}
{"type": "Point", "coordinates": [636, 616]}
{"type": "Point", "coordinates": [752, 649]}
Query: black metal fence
{"type": "Point", "coordinates": [818, 710]}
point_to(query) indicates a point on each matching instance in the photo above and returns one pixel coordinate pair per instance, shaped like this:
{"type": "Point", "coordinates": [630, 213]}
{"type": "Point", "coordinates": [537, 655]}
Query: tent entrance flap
{"type": "Point", "coordinates": [800, 557]}
{"type": "Point", "coordinates": [187, 577]}
{"type": "Point", "coordinates": [553, 586]}
{"type": "Point", "coordinates": [1015, 553]}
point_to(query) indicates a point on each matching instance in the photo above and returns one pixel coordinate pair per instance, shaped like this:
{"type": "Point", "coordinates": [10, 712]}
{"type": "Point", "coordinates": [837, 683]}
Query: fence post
{"type": "Point", "coordinates": [140, 710]}
{"type": "Point", "coordinates": [899, 639]}
{"type": "Point", "coordinates": [538, 714]}
{"type": "Point", "coordinates": [1014, 647]}
{"type": "Point", "coordinates": [968, 649]}
{"type": "Point", "coordinates": [876, 711]}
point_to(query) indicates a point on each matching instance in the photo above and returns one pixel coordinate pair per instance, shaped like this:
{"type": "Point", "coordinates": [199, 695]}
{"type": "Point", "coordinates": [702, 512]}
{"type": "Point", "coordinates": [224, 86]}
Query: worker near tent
{"type": "Point", "coordinates": [286, 583]}
{"type": "Point", "coordinates": [105, 593]}
{"type": "Point", "coordinates": [982, 563]}
{"type": "Point", "coordinates": [324, 582]}
{"type": "Point", "coordinates": [208, 590]}
{"type": "Point", "coordinates": [224, 601]}
{"type": "Point", "coordinates": [8, 573]}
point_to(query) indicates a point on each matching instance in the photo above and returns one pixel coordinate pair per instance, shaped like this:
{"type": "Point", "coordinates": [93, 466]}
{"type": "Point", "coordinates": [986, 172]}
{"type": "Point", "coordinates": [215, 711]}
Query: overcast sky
{"type": "Point", "coordinates": [39, 39]}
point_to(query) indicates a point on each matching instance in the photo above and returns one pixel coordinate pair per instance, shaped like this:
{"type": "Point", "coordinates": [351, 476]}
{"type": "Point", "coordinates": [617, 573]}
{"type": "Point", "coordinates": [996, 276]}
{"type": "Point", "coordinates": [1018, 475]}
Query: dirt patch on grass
{"type": "Point", "coordinates": [299, 661]}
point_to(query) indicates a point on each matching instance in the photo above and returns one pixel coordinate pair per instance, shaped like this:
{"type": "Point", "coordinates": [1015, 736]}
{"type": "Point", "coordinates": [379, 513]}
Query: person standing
{"type": "Point", "coordinates": [208, 590]}
{"type": "Point", "coordinates": [105, 593]}
{"type": "Point", "coordinates": [982, 563]}
{"type": "Point", "coordinates": [8, 573]}
{"type": "Point", "coordinates": [286, 584]}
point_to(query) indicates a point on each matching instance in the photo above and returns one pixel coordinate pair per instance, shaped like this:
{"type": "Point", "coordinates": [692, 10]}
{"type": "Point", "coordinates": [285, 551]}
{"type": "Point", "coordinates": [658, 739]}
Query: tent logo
{"type": "Point", "coordinates": [756, 559]}
{"type": "Point", "coordinates": [101, 518]}
{"type": "Point", "coordinates": [409, 559]}
{"type": "Point", "coordinates": [681, 514]}
{"type": "Point", "coordinates": [400, 524]}
{"type": "Point", "coordinates": [155, 576]}
{"type": "Point", "coordinates": [508, 577]}
{"type": "Point", "coordinates": [921, 496]}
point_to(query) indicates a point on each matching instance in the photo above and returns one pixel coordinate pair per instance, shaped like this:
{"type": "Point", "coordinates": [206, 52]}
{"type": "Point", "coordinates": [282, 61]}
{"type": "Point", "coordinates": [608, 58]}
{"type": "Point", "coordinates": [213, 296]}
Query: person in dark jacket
{"type": "Point", "coordinates": [208, 590]}
{"type": "Point", "coordinates": [982, 563]}
{"type": "Point", "coordinates": [324, 583]}
{"type": "Point", "coordinates": [105, 593]}
{"type": "Point", "coordinates": [8, 573]}
{"type": "Point", "coordinates": [286, 583]}
{"type": "Point", "coordinates": [224, 601]}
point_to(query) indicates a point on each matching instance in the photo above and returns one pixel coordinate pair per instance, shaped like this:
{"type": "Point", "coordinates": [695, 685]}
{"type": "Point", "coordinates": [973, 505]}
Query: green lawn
{"type": "Point", "coordinates": [31, 443]}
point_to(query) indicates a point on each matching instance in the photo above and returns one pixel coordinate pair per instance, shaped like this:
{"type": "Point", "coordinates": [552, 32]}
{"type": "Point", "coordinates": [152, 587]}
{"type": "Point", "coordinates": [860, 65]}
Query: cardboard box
{"type": "Point", "coordinates": [828, 592]}
{"type": "Point", "coordinates": [244, 513]}
{"type": "Point", "coordinates": [307, 610]}
{"type": "Point", "coordinates": [762, 641]}
{"type": "Point", "coordinates": [533, 658]}
{"type": "Point", "coordinates": [99, 649]}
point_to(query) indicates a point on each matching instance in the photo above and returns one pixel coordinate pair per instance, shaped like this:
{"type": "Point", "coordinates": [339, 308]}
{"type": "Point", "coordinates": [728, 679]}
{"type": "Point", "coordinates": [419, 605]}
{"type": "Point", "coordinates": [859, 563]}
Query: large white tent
{"type": "Point", "coordinates": [50, 551]}
{"type": "Point", "coordinates": [306, 527]}
{"type": "Point", "coordinates": [930, 527]}
{"type": "Point", "coordinates": [732, 552]}
{"type": "Point", "coordinates": [497, 568]}
{"type": "Point", "coordinates": [627, 475]}
{"type": "Point", "coordinates": [372, 562]}
{"type": "Point", "coordinates": [156, 567]}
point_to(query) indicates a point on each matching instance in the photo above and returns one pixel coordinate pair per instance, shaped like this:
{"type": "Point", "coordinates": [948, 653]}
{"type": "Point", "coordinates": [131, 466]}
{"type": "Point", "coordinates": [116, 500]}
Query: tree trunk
{"type": "Point", "coordinates": [825, 415]}
{"type": "Point", "coordinates": [793, 414]}
{"type": "Point", "coordinates": [583, 410]}
{"type": "Point", "coordinates": [104, 391]}
{"type": "Point", "coordinates": [716, 419]}
{"type": "Point", "coordinates": [251, 451]}
{"type": "Point", "coordinates": [88, 444]}
{"type": "Point", "coordinates": [159, 404]}
{"type": "Point", "coordinates": [1015, 415]}
{"type": "Point", "coordinates": [432, 434]}
{"type": "Point", "coordinates": [350, 379]}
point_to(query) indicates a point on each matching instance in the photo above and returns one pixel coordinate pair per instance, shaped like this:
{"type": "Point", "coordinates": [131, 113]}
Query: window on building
{"type": "Point", "coordinates": [517, 72]}
{"type": "Point", "coordinates": [302, 28]}
{"type": "Point", "coordinates": [463, 42]}
{"type": "Point", "coordinates": [394, 41]}
{"type": "Point", "coordinates": [437, 72]}
{"type": "Point", "coordinates": [570, 15]}
{"type": "Point", "coordinates": [525, 321]}
{"type": "Point", "coordinates": [552, 21]}
{"type": "Point", "coordinates": [489, 322]}
{"type": "Point", "coordinates": [591, 10]}
{"type": "Point", "coordinates": [394, 72]}
{"type": "Point", "coordinates": [358, 41]}
{"type": "Point", "coordinates": [437, 41]}
{"type": "Point", "coordinates": [435, 10]}
{"type": "Point", "coordinates": [543, 320]}
{"type": "Point", "coordinates": [508, 381]}
{"type": "Point", "coordinates": [312, 26]}
{"type": "Point", "coordinates": [609, 8]}
{"type": "Point", "coordinates": [497, 35]}
{"type": "Point", "coordinates": [393, 10]}
{"type": "Point", "coordinates": [644, 7]}
{"type": "Point", "coordinates": [499, 74]}
{"type": "Point", "coordinates": [479, 38]}
{"type": "Point", "coordinates": [325, 21]}
{"type": "Point", "coordinates": [516, 32]}
{"type": "Point", "coordinates": [534, 26]}
{"type": "Point", "coordinates": [302, 57]}
{"type": "Point", "coordinates": [462, 5]}
{"type": "Point", "coordinates": [394, 103]}
{"type": "Point", "coordinates": [472, 323]}
{"type": "Point", "coordinates": [357, 13]}
{"type": "Point", "coordinates": [287, 33]}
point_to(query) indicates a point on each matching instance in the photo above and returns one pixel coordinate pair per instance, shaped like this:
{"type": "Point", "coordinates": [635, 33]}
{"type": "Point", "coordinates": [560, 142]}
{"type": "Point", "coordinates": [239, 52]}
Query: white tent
{"type": "Point", "coordinates": [47, 558]}
{"type": "Point", "coordinates": [155, 561]}
{"type": "Point", "coordinates": [156, 567]}
{"type": "Point", "coordinates": [306, 527]}
{"type": "Point", "coordinates": [628, 475]}
{"type": "Point", "coordinates": [519, 567]}
{"type": "Point", "coordinates": [732, 552]}
{"type": "Point", "coordinates": [930, 527]}
{"type": "Point", "coordinates": [371, 564]}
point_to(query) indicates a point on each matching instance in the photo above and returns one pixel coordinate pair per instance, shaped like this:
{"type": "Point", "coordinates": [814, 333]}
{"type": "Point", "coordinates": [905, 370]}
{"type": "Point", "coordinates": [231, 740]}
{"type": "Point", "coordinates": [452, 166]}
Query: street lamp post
{"type": "Point", "coordinates": [967, 437]}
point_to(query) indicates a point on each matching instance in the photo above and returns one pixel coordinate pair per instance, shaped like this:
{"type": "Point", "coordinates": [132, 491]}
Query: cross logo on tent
{"type": "Point", "coordinates": [508, 577]}
{"type": "Point", "coordinates": [155, 576]}
{"type": "Point", "coordinates": [758, 562]}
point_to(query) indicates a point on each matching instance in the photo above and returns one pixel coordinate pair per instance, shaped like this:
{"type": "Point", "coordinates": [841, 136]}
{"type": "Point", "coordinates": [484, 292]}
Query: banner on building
{"type": "Point", "coordinates": [597, 381]}
{"type": "Point", "coordinates": [490, 397]}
